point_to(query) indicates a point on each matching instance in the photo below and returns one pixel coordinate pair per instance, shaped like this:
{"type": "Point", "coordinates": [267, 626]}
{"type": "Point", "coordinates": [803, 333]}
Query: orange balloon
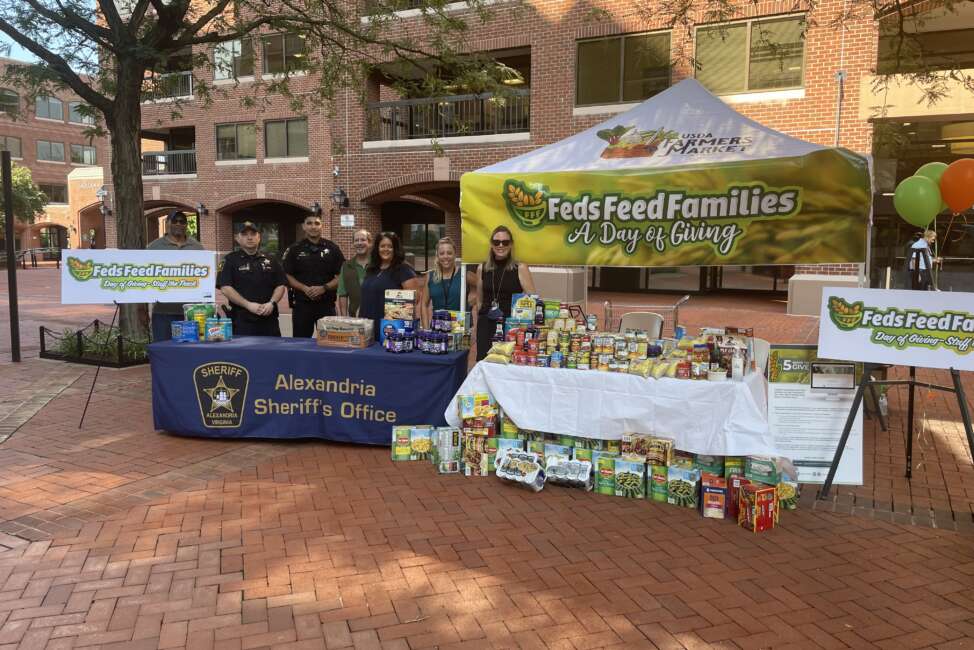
{"type": "Point", "coordinates": [957, 185]}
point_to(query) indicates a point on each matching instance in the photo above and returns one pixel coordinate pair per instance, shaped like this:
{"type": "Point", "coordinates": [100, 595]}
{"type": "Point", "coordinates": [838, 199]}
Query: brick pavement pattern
{"type": "Point", "coordinates": [118, 536]}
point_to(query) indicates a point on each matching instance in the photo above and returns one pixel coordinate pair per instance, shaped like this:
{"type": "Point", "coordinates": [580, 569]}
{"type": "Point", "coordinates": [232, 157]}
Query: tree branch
{"type": "Point", "coordinates": [72, 20]}
{"type": "Point", "coordinates": [217, 9]}
{"type": "Point", "coordinates": [61, 67]}
{"type": "Point", "coordinates": [112, 17]}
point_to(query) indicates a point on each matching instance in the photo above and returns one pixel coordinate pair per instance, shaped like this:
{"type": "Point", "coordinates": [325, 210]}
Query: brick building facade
{"type": "Point", "coordinates": [47, 136]}
{"type": "Point", "coordinates": [410, 181]}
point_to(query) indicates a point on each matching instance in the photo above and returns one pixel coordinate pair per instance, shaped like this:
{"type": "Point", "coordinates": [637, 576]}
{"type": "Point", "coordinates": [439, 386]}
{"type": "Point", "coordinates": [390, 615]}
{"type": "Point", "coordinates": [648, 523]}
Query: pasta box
{"type": "Point", "coordinates": [758, 510]}
{"type": "Point", "coordinates": [713, 496]}
{"type": "Point", "coordinates": [400, 304]}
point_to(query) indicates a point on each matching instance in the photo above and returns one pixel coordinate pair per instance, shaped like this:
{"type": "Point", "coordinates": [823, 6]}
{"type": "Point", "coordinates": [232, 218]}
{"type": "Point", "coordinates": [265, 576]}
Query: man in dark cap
{"type": "Point", "coordinates": [165, 313]}
{"type": "Point", "coordinates": [253, 283]}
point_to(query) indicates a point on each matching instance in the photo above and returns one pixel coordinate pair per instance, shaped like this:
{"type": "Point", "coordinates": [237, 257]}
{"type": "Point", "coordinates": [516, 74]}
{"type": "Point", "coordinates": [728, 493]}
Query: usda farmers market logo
{"type": "Point", "coordinates": [902, 329]}
{"type": "Point", "coordinates": [121, 277]}
{"type": "Point", "coordinates": [626, 141]}
{"type": "Point", "coordinates": [663, 220]}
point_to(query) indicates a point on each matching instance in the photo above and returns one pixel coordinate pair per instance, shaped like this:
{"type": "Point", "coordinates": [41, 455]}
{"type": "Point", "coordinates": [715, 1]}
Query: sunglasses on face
{"type": "Point", "coordinates": [500, 242]}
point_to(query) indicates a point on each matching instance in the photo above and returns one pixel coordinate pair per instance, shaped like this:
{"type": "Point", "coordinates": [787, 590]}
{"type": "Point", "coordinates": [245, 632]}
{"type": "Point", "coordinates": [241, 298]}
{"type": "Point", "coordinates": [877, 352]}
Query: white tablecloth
{"type": "Point", "coordinates": [726, 418]}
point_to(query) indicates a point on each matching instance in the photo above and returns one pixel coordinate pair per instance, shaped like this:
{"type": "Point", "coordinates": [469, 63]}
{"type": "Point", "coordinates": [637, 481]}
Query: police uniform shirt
{"type": "Point", "coordinates": [254, 277]}
{"type": "Point", "coordinates": [313, 265]}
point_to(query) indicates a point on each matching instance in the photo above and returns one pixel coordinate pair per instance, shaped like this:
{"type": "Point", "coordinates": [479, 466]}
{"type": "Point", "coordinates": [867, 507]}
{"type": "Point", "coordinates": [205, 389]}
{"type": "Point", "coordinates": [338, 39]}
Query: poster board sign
{"type": "Point", "coordinates": [927, 329]}
{"type": "Point", "coordinates": [809, 400]}
{"type": "Point", "coordinates": [103, 276]}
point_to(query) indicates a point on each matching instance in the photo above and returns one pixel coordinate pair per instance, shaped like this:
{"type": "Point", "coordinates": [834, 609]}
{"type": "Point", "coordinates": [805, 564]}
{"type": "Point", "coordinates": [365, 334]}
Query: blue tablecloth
{"type": "Point", "coordinates": [257, 387]}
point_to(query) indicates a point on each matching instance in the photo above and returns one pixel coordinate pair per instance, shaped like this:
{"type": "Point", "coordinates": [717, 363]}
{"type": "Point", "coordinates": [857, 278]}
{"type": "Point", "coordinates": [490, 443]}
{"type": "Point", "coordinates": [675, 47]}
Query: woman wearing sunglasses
{"type": "Point", "coordinates": [498, 279]}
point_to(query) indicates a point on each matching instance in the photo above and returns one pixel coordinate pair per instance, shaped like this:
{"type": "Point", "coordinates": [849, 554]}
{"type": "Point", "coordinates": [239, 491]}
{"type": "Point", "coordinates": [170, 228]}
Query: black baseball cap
{"type": "Point", "coordinates": [247, 225]}
{"type": "Point", "coordinates": [177, 214]}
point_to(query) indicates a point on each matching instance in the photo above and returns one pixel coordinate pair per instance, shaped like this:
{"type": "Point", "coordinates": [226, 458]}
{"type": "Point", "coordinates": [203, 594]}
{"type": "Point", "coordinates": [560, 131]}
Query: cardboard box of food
{"type": "Point", "coordinates": [344, 332]}
{"type": "Point", "coordinates": [758, 507]}
{"type": "Point", "coordinates": [713, 496]}
{"type": "Point", "coordinates": [400, 304]}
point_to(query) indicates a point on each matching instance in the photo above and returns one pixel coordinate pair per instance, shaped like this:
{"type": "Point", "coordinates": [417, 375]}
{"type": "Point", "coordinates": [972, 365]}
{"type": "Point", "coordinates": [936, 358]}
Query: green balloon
{"type": "Point", "coordinates": [934, 171]}
{"type": "Point", "coordinates": [917, 200]}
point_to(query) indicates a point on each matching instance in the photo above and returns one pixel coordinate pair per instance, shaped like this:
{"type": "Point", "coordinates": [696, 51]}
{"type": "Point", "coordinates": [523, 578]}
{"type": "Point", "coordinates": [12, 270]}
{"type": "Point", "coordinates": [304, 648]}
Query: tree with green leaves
{"type": "Point", "coordinates": [28, 199]}
{"type": "Point", "coordinates": [109, 52]}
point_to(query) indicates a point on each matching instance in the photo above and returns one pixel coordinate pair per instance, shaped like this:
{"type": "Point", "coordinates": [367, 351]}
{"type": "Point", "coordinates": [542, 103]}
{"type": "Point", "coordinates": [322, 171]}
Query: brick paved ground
{"type": "Point", "coordinates": [118, 536]}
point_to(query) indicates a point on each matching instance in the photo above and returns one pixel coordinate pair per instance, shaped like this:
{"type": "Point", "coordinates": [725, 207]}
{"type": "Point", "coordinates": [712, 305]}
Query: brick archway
{"type": "Point", "coordinates": [242, 200]}
{"type": "Point", "coordinates": [407, 184]}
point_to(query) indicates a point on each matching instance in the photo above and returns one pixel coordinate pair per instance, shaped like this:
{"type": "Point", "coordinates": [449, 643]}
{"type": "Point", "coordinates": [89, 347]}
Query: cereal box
{"type": "Point", "coordinates": [630, 478]}
{"type": "Point", "coordinates": [604, 467]}
{"type": "Point", "coordinates": [758, 510]}
{"type": "Point", "coordinates": [400, 304]}
{"type": "Point", "coordinates": [658, 483]}
{"type": "Point", "coordinates": [421, 442]}
{"type": "Point", "coordinates": [401, 449]}
{"type": "Point", "coordinates": [682, 486]}
{"type": "Point", "coordinates": [447, 450]}
{"type": "Point", "coordinates": [713, 496]}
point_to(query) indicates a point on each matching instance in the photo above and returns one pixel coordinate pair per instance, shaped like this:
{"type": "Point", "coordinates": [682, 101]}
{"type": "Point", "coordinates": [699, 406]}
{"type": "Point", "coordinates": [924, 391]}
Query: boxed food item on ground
{"type": "Point", "coordinates": [478, 454]}
{"type": "Point", "coordinates": [556, 452]}
{"type": "Point", "coordinates": [478, 405]}
{"type": "Point", "coordinates": [504, 445]}
{"type": "Point", "coordinates": [758, 510]}
{"type": "Point", "coordinates": [684, 459]}
{"type": "Point", "coordinates": [761, 469]}
{"type": "Point", "coordinates": [682, 486]}
{"type": "Point", "coordinates": [734, 483]}
{"type": "Point", "coordinates": [658, 480]}
{"type": "Point", "coordinates": [713, 496]}
{"type": "Point", "coordinates": [447, 450]}
{"type": "Point", "coordinates": [582, 454]}
{"type": "Point", "coordinates": [604, 466]}
{"type": "Point", "coordinates": [788, 494]}
{"type": "Point", "coordinates": [484, 426]}
{"type": "Point", "coordinates": [400, 304]}
{"type": "Point", "coordinates": [508, 428]}
{"type": "Point", "coordinates": [344, 332]}
{"type": "Point", "coordinates": [401, 448]}
{"type": "Point", "coordinates": [635, 445]}
{"type": "Point", "coordinates": [421, 442]}
{"type": "Point", "coordinates": [522, 468]}
{"type": "Point", "coordinates": [630, 478]}
{"type": "Point", "coordinates": [733, 465]}
{"type": "Point", "coordinates": [660, 451]}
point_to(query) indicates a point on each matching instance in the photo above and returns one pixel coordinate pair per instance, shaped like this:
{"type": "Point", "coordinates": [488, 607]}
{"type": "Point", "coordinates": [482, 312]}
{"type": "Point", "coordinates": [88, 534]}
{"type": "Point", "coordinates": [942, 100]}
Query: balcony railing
{"type": "Point", "coordinates": [444, 117]}
{"type": "Point", "coordinates": [165, 163]}
{"type": "Point", "coordinates": [174, 85]}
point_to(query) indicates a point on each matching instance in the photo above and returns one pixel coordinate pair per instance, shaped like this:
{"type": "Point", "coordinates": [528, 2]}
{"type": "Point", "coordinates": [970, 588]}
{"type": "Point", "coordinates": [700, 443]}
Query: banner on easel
{"type": "Point", "coordinates": [926, 329]}
{"type": "Point", "coordinates": [93, 277]}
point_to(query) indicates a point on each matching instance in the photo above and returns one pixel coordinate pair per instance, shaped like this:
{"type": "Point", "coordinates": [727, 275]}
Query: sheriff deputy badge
{"type": "Point", "coordinates": [665, 219]}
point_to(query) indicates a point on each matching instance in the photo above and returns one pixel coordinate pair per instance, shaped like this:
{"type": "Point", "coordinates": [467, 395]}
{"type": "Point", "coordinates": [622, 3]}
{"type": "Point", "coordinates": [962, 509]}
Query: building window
{"type": "Point", "coordinates": [11, 143]}
{"type": "Point", "coordinates": [55, 193]}
{"type": "Point", "coordinates": [9, 101]}
{"type": "Point", "coordinates": [75, 116]}
{"type": "Point", "coordinates": [286, 139]}
{"type": "Point", "coordinates": [283, 53]}
{"type": "Point", "coordinates": [622, 68]}
{"type": "Point", "coordinates": [50, 108]}
{"type": "Point", "coordinates": [83, 155]}
{"type": "Point", "coordinates": [233, 59]}
{"type": "Point", "coordinates": [50, 151]}
{"type": "Point", "coordinates": [751, 56]}
{"type": "Point", "coordinates": [236, 141]}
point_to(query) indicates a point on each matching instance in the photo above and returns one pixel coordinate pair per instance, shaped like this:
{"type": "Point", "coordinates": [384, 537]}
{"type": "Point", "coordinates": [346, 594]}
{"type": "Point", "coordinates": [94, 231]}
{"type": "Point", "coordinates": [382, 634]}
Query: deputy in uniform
{"type": "Point", "coordinates": [312, 266]}
{"type": "Point", "coordinates": [253, 283]}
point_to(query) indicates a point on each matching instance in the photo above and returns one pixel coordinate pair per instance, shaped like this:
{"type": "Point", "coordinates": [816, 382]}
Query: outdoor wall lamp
{"type": "Point", "coordinates": [339, 198]}
{"type": "Point", "coordinates": [316, 209]}
{"type": "Point", "coordinates": [105, 210]}
{"type": "Point", "coordinates": [202, 210]}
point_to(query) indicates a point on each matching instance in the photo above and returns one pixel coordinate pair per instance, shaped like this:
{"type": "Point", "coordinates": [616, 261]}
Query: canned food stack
{"type": "Point", "coordinates": [201, 324]}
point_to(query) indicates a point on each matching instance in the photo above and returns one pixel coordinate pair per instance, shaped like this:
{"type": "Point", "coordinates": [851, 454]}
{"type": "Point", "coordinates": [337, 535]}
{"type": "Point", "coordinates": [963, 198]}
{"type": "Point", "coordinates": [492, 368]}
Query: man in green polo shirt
{"type": "Point", "coordinates": [352, 273]}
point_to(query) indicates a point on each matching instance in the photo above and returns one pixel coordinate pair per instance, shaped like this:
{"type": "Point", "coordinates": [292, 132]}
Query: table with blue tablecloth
{"type": "Point", "coordinates": [261, 387]}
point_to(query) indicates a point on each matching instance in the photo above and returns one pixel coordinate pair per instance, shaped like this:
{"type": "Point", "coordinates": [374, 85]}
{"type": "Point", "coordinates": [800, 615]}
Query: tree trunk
{"type": "Point", "coordinates": [125, 126]}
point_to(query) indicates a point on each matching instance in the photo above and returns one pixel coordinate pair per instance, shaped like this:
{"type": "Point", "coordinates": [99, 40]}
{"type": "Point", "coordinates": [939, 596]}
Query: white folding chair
{"type": "Point", "coordinates": [649, 321]}
{"type": "Point", "coordinates": [284, 322]}
{"type": "Point", "coordinates": [762, 350]}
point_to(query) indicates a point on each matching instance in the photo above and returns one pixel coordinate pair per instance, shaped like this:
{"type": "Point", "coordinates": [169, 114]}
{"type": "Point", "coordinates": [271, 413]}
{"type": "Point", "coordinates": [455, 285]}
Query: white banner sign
{"type": "Point", "coordinates": [928, 329]}
{"type": "Point", "coordinates": [101, 276]}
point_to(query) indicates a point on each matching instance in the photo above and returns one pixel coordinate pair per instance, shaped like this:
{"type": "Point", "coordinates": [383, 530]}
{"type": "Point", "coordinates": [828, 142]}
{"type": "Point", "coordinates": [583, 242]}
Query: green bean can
{"type": "Point", "coordinates": [605, 474]}
{"type": "Point", "coordinates": [659, 479]}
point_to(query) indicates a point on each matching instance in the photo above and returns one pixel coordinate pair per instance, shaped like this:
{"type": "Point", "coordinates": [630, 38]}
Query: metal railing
{"type": "Point", "coordinates": [173, 85]}
{"type": "Point", "coordinates": [159, 163]}
{"type": "Point", "coordinates": [443, 117]}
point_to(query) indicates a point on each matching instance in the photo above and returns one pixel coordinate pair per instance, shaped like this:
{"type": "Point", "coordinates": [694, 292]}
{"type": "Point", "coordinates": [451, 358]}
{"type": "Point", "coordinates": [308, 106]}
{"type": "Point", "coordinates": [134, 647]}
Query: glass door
{"type": "Point", "coordinates": [419, 242]}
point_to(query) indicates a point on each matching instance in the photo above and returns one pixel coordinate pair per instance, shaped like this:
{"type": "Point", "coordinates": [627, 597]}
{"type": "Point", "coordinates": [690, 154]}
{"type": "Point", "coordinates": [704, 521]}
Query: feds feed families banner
{"type": "Point", "coordinates": [809, 400]}
{"type": "Point", "coordinates": [928, 329]}
{"type": "Point", "coordinates": [104, 276]}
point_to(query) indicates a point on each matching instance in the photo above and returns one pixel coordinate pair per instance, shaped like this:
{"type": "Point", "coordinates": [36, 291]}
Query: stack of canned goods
{"type": "Point", "coordinates": [570, 473]}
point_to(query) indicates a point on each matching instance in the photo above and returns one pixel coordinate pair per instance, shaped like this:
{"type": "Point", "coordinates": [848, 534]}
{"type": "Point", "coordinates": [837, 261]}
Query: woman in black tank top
{"type": "Point", "coordinates": [498, 279]}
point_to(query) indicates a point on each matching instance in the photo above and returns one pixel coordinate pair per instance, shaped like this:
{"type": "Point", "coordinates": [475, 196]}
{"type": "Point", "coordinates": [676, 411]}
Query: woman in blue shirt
{"type": "Point", "coordinates": [386, 270]}
{"type": "Point", "coordinates": [444, 282]}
